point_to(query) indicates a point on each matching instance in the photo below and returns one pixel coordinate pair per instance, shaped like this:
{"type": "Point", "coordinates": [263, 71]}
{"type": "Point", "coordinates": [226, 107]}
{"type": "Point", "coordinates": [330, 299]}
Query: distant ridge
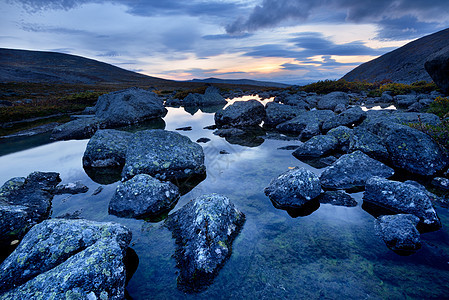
{"type": "Point", "coordinates": [241, 82]}
{"type": "Point", "coordinates": [403, 65]}
{"type": "Point", "coordinates": [53, 67]}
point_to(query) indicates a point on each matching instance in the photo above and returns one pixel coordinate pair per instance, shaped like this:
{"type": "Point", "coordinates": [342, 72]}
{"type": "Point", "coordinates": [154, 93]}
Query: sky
{"type": "Point", "coordinates": [290, 41]}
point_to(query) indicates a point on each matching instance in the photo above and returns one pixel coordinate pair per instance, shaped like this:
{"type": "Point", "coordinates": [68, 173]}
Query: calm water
{"type": "Point", "coordinates": [332, 253]}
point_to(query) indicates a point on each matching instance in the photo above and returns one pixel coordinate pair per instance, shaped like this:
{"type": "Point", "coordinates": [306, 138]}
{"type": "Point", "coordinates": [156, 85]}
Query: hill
{"type": "Point", "coordinates": [241, 82]}
{"type": "Point", "coordinates": [53, 67]}
{"type": "Point", "coordinates": [405, 64]}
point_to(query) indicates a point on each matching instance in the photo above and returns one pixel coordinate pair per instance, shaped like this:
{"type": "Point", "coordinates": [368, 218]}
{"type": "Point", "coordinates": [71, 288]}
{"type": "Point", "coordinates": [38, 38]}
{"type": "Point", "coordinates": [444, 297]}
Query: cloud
{"type": "Point", "coordinates": [404, 28]}
{"type": "Point", "coordinates": [392, 16]}
{"type": "Point", "coordinates": [212, 37]}
{"type": "Point", "coordinates": [292, 67]}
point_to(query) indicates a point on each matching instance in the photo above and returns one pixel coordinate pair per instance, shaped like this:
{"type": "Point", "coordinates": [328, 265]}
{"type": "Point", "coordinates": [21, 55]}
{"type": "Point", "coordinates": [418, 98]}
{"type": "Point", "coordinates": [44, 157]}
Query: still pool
{"type": "Point", "coordinates": [331, 253]}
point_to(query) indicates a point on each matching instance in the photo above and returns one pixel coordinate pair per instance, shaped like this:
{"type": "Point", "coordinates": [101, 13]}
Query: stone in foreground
{"type": "Point", "coordinates": [241, 113]}
{"type": "Point", "coordinates": [293, 188]}
{"type": "Point", "coordinates": [317, 146]}
{"type": "Point", "coordinates": [399, 232]}
{"type": "Point", "coordinates": [165, 155]}
{"type": "Point", "coordinates": [204, 230]}
{"type": "Point", "coordinates": [352, 171]}
{"type": "Point", "coordinates": [68, 259]}
{"type": "Point", "coordinates": [404, 198]}
{"type": "Point", "coordinates": [143, 196]}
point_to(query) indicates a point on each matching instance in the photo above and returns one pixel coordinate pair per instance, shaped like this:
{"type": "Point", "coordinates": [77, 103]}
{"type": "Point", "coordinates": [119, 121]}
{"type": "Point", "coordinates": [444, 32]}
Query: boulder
{"type": "Point", "coordinates": [204, 230]}
{"type": "Point", "coordinates": [107, 148]}
{"type": "Point", "coordinates": [337, 198]}
{"type": "Point", "coordinates": [128, 106]}
{"type": "Point", "coordinates": [293, 189]}
{"type": "Point", "coordinates": [350, 117]}
{"type": "Point", "coordinates": [404, 101]}
{"type": "Point", "coordinates": [441, 183]}
{"type": "Point", "coordinates": [369, 143]}
{"type": "Point", "coordinates": [211, 97]}
{"type": "Point", "coordinates": [250, 136]}
{"type": "Point", "coordinates": [317, 146]}
{"type": "Point", "coordinates": [401, 197]}
{"type": "Point", "coordinates": [306, 124]}
{"type": "Point", "coordinates": [241, 113]}
{"type": "Point", "coordinates": [279, 113]}
{"type": "Point", "coordinates": [352, 171]}
{"type": "Point", "coordinates": [60, 259]}
{"type": "Point", "coordinates": [143, 196]}
{"type": "Point", "coordinates": [343, 134]}
{"type": "Point", "coordinates": [331, 100]}
{"type": "Point", "coordinates": [165, 155]}
{"type": "Point", "coordinates": [296, 101]}
{"type": "Point", "coordinates": [438, 68]}
{"type": "Point", "coordinates": [81, 128]}
{"type": "Point", "coordinates": [73, 188]}
{"type": "Point", "coordinates": [399, 232]}
{"type": "Point", "coordinates": [24, 203]}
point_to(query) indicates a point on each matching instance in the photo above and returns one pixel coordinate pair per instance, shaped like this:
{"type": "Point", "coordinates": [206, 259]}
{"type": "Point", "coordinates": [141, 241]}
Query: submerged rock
{"type": "Point", "coordinates": [307, 124]}
{"type": "Point", "coordinates": [73, 188]}
{"type": "Point", "coordinates": [204, 230]}
{"type": "Point", "coordinates": [317, 146]}
{"type": "Point", "coordinates": [401, 197]}
{"type": "Point", "coordinates": [165, 155]}
{"type": "Point", "coordinates": [241, 113]}
{"type": "Point", "coordinates": [337, 198]}
{"type": "Point", "coordinates": [67, 258]}
{"type": "Point", "coordinates": [293, 188]}
{"type": "Point", "coordinates": [143, 196]}
{"type": "Point", "coordinates": [107, 148]}
{"type": "Point", "coordinates": [399, 232]}
{"type": "Point", "coordinates": [352, 171]}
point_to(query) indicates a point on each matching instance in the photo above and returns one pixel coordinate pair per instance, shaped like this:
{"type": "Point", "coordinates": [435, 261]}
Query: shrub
{"type": "Point", "coordinates": [440, 107]}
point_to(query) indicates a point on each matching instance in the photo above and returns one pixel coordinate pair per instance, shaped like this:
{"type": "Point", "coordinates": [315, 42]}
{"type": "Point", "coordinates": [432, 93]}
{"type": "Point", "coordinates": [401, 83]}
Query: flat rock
{"type": "Point", "coordinates": [307, 124]}
{"type": "Point", "coordinates": [73, 188]}
{"type": "Point", "coordinates": [337, 198]}
{"type": "Point", "coordinates": [204, 230]}
{"type": "Point", "coordinates": [352, 171]}
{"type": "Point", "coordinates": [241, 113]}
{"type": "Point", "coordinates": [317, 146]}
{"type": "Point", "coordinates": [143, 196]}
{"type": "Point", "coordinates": [293, 189]}
{"type": "Point", "coordinates": [399, 232]}
{"type": "Point", "coordinates": [68, 258]}
{"type": "Point", "coordinates": [164, 155]}
{"type": "Point", "coordinates": [401, 197]}
{"type": "Point", "coordinates": [81, 128]}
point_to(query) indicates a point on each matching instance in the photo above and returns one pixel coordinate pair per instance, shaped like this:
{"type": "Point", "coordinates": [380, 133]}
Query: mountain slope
{"type": "Point", "coordinates": [241, 82]}
{"type": "Point", "coordinates": [53, 67]}
{"type": "Point", "coordinates": [405, 64]}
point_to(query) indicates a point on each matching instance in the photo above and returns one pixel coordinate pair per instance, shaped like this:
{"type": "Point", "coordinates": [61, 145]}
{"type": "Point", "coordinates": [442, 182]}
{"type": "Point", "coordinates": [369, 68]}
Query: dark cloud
{"type": "Point", "coordinates": [404, 28]}
{"type": "Point", "coordinates": [292, 67]}
{"type": "Point", "coordinates": [227, 36]}
{"type": "Point", "coordinates": [391, 16]}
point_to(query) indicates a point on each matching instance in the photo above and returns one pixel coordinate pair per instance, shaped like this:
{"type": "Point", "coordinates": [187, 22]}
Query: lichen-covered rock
{"type": "Point", "coordinates": [204, 230]}
{"type": "Point", "coordinates": [317, 146]}
{"type": "Point", "coordinates": [73, 188]}
{"type": "Point", "coordinates": [293, 188]}
{"type": "Point", "coordinates": [399, 232]}
{"type": "Point", "coordinates": [349, 118]}
{"type": "Point", "coordinates": [107, 148]}
{"type": "Point", "coordinates": [143, 196]}
{"type": "Point", "coordinates": [241, 113]}
{"type": "Point", "coordinates": [24, 203]}
{"type": "Point", "coordinates": [343, 134]}
{"type": "Point", "coordinates": [279, 113]}
{"type": "Point", "coordinates": [331, 100]}
{"type": "Point", "coordinates": [404, 101]}
{"type": "Point", "coordinates": [211, 97]}
{"type": "Point", "coordinates": [81, 128]}
{"type": "Point", "coordinates": [164, 155]}
{"type": "Point", "coordinates": [337, 198]}
{"type": "Point", "coordinates": [307, 124]}
{"type": "Point", "coordinates": [368, 143]}
{"type": "Point", "coordinates": [401, 197]}
{"type": "Point", "coordinates": [129, 106]}
{"type": "Point", "coordinates": [60, 258]}
{"type": "Point", "coordinates": [352, 171]}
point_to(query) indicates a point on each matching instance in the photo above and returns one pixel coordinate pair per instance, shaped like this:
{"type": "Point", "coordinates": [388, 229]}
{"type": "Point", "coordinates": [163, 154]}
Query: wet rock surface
{"type": "Point", "coordinates": [241, 113]}
{"type": "Point", "coordinates": [73, 188]}
{"type": "Point", "coordinates": [204, 230]}
{"type": "Point", "coordinates": [317, 146]}
{"type": "Point", "coordinates": [293, 188]}
{"type": "Point", "coordinates": [352, 171]}
{"type": "Point", "coordinates": [404, 198]}
{"type": "Point", "coordinates": [337, 198]}
{"type": "Point", "coordinates": [399, 232]}
{"type": "Point", "coordinates": [164, 155]}
{"type": "Point", "coordinates": [143, 196]}
{"type": "Point", "coordinates": [68, 258]}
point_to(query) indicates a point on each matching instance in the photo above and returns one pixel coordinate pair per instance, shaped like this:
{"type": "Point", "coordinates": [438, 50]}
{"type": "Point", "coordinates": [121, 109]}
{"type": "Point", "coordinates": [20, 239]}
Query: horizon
{"type": "Point", "coordinates": [287, 41]}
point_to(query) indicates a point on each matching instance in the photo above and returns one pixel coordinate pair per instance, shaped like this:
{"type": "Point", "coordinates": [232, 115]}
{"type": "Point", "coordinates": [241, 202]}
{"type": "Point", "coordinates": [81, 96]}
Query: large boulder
{"type": "Point", "coordinates": [349, 118]}
{"type": "Point", "coordinates": [143, 196]}
{"type": "Point", "coordinates": [343, 134]}
{"type": "Point", "coordinates": [399, 232]}
{"type": "Point", "coordinates": [293, 188]}
{"type": "Point", "coordinates": [128, 106]}
{"type": "Point", "coordinates": [25, 202]}
{"type": "Point", "coordinates": [317, 146]}
{"type": "Point", "coordinates": [306, 124]}
{"type": "Point", "coordinates": [107, 148]}
{"type": "Point", "coordinates": [81, 128]}
{"type": "Point", "coordinates": [279, 113]}
{"type": "Point", "coordinates": [332, 100]}
{"type": "Point", "coordinates": [438, 68]}
{"type": "Point", "coordinates": [352, 171]}
{"type": "Point", "coordinates": [401, 197]}
{"type": "Point", "coordinates": [204, 230]}
{"type": "Point", "coordinates": [241, 113]}
{"type": "Point", "coordinates": [369, 143]}
{"type": "Point", "coordinates": [211, 97]}
{"type": "Point", "coordinates": [165, 155]}
{"type": "Point", "coordinates": [62, 259]}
